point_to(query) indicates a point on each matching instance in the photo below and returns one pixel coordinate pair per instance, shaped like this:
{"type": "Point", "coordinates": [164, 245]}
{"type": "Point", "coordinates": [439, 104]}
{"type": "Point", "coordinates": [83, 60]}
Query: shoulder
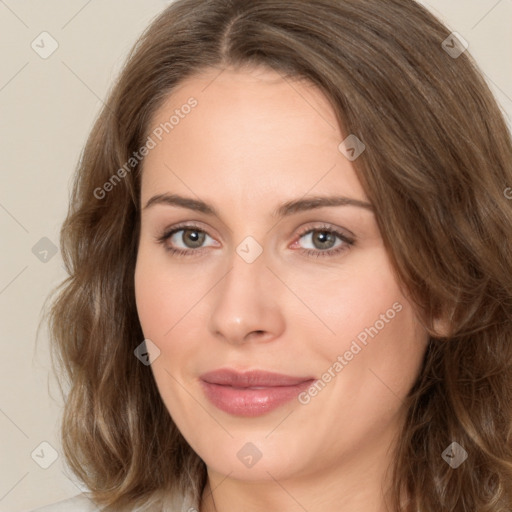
{"type": "Point", "coordinates": [79, 503]}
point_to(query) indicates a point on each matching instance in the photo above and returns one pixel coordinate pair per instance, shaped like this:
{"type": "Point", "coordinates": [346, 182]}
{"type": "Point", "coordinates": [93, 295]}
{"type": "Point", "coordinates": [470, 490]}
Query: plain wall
{"type": "Point", "coordinates": [47, 107]}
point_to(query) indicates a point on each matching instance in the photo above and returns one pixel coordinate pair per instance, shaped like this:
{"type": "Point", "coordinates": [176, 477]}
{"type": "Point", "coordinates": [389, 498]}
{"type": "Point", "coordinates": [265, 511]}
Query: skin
{"type": "Point", "coordinates": [253, 142]}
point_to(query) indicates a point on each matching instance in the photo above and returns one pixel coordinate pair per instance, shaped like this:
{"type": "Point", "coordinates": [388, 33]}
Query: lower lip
{"type": "Point", "coordinates": [251, 402]}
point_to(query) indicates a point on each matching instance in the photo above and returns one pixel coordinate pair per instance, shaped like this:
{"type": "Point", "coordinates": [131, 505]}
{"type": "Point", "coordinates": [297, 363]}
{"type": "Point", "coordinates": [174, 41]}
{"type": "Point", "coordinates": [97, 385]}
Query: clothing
{"type": "Point", "coordinates": [81, 503]}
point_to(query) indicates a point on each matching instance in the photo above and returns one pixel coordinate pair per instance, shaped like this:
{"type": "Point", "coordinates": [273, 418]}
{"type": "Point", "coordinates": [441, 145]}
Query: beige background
{"type": "Point", "coordinates": [47, 107]}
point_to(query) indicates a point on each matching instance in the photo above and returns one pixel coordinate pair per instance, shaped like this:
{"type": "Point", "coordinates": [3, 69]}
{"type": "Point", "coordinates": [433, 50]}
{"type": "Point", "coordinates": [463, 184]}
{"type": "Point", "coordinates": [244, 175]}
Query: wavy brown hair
{"type": "Point", "coordinates": [438, 160]}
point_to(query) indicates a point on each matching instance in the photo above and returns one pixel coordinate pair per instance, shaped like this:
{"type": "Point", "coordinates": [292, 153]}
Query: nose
{"type": "Point", "coordinates": [247, 303]}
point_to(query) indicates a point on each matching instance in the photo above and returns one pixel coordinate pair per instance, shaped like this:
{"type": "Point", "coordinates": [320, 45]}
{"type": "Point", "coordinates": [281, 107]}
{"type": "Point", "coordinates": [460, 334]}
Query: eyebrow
{"type": "Point", "coordinates": [287, 208]}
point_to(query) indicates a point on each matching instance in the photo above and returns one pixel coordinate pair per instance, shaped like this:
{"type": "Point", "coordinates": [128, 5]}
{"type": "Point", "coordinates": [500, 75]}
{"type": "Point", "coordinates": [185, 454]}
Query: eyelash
{"type": "Point", "coordinates": [348, 242]}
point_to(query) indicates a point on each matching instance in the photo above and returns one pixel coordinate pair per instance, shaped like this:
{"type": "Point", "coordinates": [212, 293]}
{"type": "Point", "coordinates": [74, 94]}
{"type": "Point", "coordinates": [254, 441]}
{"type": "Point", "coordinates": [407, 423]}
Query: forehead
{"type": "Point", "coordinates": [249, 130]}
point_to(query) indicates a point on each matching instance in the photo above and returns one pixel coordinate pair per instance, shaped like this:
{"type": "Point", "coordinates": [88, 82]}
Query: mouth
{"type": "Point", "coordinates": [251, 393]}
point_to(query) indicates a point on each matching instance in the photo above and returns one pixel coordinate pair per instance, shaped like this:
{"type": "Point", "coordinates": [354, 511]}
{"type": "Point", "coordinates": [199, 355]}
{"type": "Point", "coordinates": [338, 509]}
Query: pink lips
{"type": "Point", "coordinates": [251, 393]}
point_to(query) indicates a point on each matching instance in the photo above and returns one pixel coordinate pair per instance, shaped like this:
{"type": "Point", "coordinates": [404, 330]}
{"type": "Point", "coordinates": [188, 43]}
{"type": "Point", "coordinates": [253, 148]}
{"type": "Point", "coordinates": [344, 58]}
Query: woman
{"type": "Point", "coordinates": [290, 276]}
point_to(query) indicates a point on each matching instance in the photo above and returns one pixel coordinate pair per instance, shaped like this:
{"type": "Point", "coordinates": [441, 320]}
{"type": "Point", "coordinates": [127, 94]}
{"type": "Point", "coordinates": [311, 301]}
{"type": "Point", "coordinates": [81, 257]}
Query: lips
{"type": "Point", "coordinates": [251, 393]}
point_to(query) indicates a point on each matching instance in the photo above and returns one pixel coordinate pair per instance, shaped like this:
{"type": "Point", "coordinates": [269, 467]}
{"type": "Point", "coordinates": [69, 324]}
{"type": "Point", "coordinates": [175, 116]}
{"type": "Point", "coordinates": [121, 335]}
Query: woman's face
{"type": "Point", "coordinates": [269, 280]}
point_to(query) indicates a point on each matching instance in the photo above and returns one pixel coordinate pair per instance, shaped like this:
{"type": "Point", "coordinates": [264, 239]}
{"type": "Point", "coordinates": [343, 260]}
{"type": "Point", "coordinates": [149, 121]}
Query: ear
{"type": "Point", "coordinates": [442, 326]}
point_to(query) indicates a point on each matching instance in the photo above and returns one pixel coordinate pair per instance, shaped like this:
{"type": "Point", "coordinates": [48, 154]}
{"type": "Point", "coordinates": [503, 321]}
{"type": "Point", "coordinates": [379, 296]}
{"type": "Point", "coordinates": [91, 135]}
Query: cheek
{"type": "Point", "coordinates": [148, 296]}
{"type": "Point", "coordinates": [168, 306]}
{"type": "Point", "coordinates": [162, 296]}
{"type": "Point", "coordinates": [397, 351]}
{"type": "Point", "coordinates": [352, 298]}
{"type": "Point", "coordinates": [160, 305]}
{"type": "Point", "coordinates": [382, 346]}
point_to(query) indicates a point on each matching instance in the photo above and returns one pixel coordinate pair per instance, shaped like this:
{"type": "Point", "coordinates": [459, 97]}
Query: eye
{"type": "Point", "coordinates": [190, 237]}
{"type": "Point", "coordinates": [323, 241]}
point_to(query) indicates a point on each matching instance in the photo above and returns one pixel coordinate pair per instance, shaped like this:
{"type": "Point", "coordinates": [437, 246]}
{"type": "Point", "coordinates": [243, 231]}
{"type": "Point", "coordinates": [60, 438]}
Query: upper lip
{"type": "Point", "coordinates": [252, 378]}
